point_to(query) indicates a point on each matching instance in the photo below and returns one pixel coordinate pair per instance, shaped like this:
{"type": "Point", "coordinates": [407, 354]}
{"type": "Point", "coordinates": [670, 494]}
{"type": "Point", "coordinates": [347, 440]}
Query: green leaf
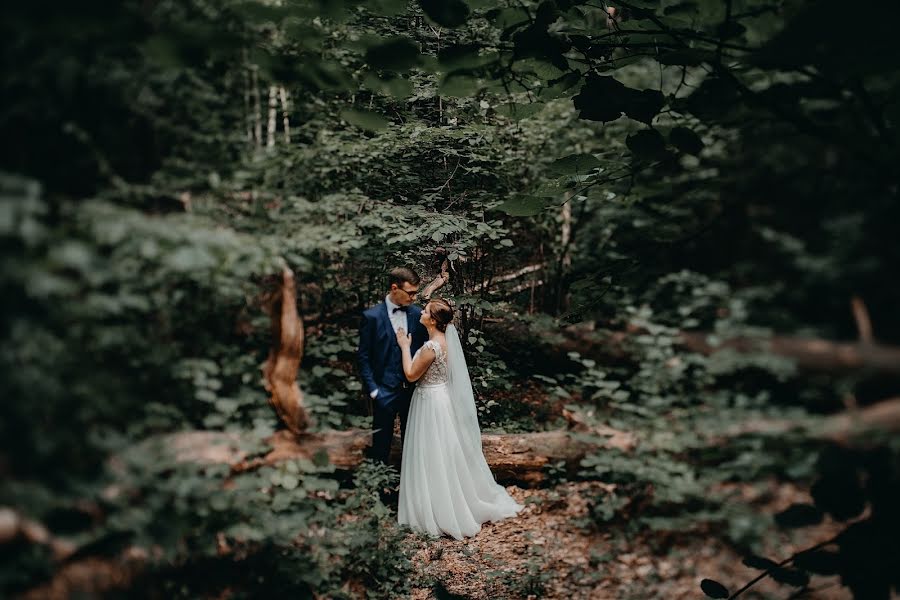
{"type": "Point", "coordinates": [365, 119]}
{"type": "Point", "coordinates": [395, 54]}
{"type": "Point", "coordinates": [689, 57]}
{"type": "Point", "coordinates": [792, 577]}
{"type": "Point", "coordinates": [388, 8]}
{"type": "Point", "coordinates": [507, 18]}
{"type": "Point", "coordinates": [714, 589]}
{"type": "Point", "coordinates": [714, 98]}
{"type": "Point", "coordinates": [605, 99]}
{"type": "Point", "coordinates": [523, 206]}
{"type": "Point", "coordinates": [320, 458]}
{"type": "Point", "coordinates": [519, 111]}
{"type": "Point", "coordinates": [465, 56]}
{"type": "Point", "coordinates": [391, 85]}
{"type": "Point", "coordinates": [575, 164]}
{"type": "Point", "coordinates": [448, 13]}
{"type": "Point", "coordinates": [686, 140]}
{"type": "Point", "coordinates": [647, 144]}
{"type": "Point", "coordinates": [759, 562]}
{"type": "Point", "coordinates": [458, 84]}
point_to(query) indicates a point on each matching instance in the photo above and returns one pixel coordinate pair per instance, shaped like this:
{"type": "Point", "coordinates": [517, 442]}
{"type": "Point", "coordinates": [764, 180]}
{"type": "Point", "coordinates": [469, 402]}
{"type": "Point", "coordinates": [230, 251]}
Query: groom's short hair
{"type": "Point", "coordinates": [399, 275]}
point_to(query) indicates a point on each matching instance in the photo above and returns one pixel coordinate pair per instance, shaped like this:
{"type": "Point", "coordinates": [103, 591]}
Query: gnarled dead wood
{"type": "Point", "coordinates": [505, 277]}
{"type": "Point", "coordinates": [281, 368]}
{"type": "Point", "coordinates": [439, 281]}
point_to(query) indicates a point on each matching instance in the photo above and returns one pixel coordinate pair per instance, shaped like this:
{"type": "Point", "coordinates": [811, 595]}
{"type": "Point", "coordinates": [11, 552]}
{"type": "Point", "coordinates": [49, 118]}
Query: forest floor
{"type": "Point", "coordinates": [551, 551]}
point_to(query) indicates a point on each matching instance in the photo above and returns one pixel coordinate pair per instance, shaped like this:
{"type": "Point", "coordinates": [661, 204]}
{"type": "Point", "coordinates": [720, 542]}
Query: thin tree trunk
{"type": "Point", "coordinates": [861, 316]}
{"type": "Point", "coordinates": [248, 115]}
{"type": "Point", "coordinates": [283, 95]}
{"type": "Point", "coordinates": [565, 256]}
{"type": "Point", "coordinates": [257, 109]}
{"type": "Point", "coordinates": [273, 116]}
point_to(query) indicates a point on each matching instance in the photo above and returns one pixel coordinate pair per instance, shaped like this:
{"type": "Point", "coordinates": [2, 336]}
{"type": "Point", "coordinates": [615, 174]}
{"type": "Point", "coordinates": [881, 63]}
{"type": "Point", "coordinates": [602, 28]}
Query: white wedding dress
{"type": "Point", "coordinates": [446, 486]}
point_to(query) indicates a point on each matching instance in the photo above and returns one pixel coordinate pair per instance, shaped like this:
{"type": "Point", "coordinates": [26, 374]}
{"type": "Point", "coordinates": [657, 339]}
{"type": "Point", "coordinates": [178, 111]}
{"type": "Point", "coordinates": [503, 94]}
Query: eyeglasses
{"type": "Point", "coordinates": [412, 294]}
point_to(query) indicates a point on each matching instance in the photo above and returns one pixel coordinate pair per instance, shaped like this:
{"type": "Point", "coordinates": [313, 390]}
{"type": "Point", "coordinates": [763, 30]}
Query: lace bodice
{"type": "Point", "coordinates": [438, 371]}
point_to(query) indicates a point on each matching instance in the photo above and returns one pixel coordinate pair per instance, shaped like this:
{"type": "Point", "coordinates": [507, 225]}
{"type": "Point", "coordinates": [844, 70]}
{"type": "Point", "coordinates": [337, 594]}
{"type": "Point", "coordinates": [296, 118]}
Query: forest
{"type": "Point", "coordinates": [669, 230]}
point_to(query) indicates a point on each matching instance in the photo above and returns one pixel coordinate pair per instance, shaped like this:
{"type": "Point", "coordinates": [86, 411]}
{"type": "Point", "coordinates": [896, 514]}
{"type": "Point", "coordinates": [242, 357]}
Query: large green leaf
{"type": "Point", "coordinates": [388, 8]}
{"type": "Point", "coordinates": [575, 164]}
{"type": "Point", "coordinates": [392, 85]}
{"type": "Point", "coordinates": [606, 99]}
{"type": "Point", "coordinates": [523, 206]}
{"type": "Point", "coordinates": [686, 140]}
{"type": "Point", "coordinates": [713, 589]}
{"type": "Point", "coordinates": [690, 57]}
{"type": "Point", "coordinates": [365, 119]}
{"type": "Point", "coordinates": [395, 54]}
{"type": "Point", "coordinates": [647, 144]}
{"type": "Point", "coordinates": [465, 56]}
{"type": "Point", "coordinates": [458, 84]}
{"type": "Point", "coordinates": [448, 13]}
{"type": "Point", "coordinates": [519, 111]}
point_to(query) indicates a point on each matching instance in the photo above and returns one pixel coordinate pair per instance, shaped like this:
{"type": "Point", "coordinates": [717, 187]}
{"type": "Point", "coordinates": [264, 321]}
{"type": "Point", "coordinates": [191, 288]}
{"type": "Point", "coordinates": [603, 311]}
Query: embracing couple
{"type": "Point", "coordinates": [412, 364]}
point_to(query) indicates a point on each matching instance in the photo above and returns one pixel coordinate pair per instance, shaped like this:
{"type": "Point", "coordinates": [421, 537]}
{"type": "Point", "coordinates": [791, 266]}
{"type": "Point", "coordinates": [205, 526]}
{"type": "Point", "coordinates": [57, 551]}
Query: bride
{"type": "Point", "coordinates": [445, 483]}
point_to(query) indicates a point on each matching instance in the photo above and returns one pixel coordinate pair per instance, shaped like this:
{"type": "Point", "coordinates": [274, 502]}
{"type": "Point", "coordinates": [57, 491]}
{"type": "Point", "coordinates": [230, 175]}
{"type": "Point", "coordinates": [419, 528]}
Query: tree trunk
{"type": "Point", "coordinates": [273, 116]}
{"type": "Point", "coordinates": [257, 109]}
{"type": "Point", "coordinates": [281, 368]}
{"type": "Point", "coordinates": [283, 95]}
{"type": "Point", "coordinates": [439, 281]}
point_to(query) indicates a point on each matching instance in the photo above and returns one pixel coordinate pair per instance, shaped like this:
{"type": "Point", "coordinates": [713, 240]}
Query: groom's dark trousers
{"type": "Point", "coordinates": [381, 368]}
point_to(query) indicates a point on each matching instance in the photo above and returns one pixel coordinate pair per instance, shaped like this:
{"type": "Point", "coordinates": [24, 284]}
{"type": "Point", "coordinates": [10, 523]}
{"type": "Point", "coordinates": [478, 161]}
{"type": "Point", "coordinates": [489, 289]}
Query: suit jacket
{"type": "Point", "coordinates": [380, 360]}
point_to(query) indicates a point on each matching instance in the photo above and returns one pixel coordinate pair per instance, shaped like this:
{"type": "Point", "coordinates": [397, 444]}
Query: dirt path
{"type": "Point", "coordinates": [547, 552]}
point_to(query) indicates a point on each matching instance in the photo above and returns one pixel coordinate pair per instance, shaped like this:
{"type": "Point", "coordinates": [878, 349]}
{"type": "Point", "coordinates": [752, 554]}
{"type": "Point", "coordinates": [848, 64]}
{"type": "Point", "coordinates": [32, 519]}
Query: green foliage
{"type": "Point", "coordinates": [683, 169]}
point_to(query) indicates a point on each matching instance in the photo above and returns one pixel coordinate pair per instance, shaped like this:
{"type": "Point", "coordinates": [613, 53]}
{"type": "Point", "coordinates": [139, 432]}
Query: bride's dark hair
{"type": "Point", "coordinates": [441, 312]}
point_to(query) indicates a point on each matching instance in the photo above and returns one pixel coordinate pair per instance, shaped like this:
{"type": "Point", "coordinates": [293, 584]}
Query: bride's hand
{"type": "Point", "coordinates": [403, 338]}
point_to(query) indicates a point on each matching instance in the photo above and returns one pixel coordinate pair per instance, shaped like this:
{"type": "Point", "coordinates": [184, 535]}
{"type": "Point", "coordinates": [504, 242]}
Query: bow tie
{"type": "Point", "coordinates": [400, 308]}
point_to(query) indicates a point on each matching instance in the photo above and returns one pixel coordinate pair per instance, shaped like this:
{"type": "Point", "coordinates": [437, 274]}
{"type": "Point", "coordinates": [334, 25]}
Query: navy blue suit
{"type": "Point", "coordinates": [381, 368]}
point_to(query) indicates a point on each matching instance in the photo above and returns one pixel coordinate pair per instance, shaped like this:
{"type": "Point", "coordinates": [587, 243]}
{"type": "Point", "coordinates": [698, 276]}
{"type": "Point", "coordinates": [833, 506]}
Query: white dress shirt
{"type": "Point", "coordinates": [398, 320]}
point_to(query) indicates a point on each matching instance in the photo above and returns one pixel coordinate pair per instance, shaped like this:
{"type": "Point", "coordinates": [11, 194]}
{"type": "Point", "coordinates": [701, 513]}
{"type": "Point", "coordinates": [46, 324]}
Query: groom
{"type": "Point", "coordinates": [380, 360]}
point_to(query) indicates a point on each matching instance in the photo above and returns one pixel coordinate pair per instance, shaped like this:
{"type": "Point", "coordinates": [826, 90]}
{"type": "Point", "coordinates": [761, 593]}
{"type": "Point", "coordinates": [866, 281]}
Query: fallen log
{"type": "Point", "coordinates": [513, 458]}
{"type": "Point", "coordinates": [849, 427]}
{"type": "Point", "coordinates": [15, 526]}
{"type": "Point", "coordinates": [808, 353]}
{"type": "Point", "coordinates": [547, 349]}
